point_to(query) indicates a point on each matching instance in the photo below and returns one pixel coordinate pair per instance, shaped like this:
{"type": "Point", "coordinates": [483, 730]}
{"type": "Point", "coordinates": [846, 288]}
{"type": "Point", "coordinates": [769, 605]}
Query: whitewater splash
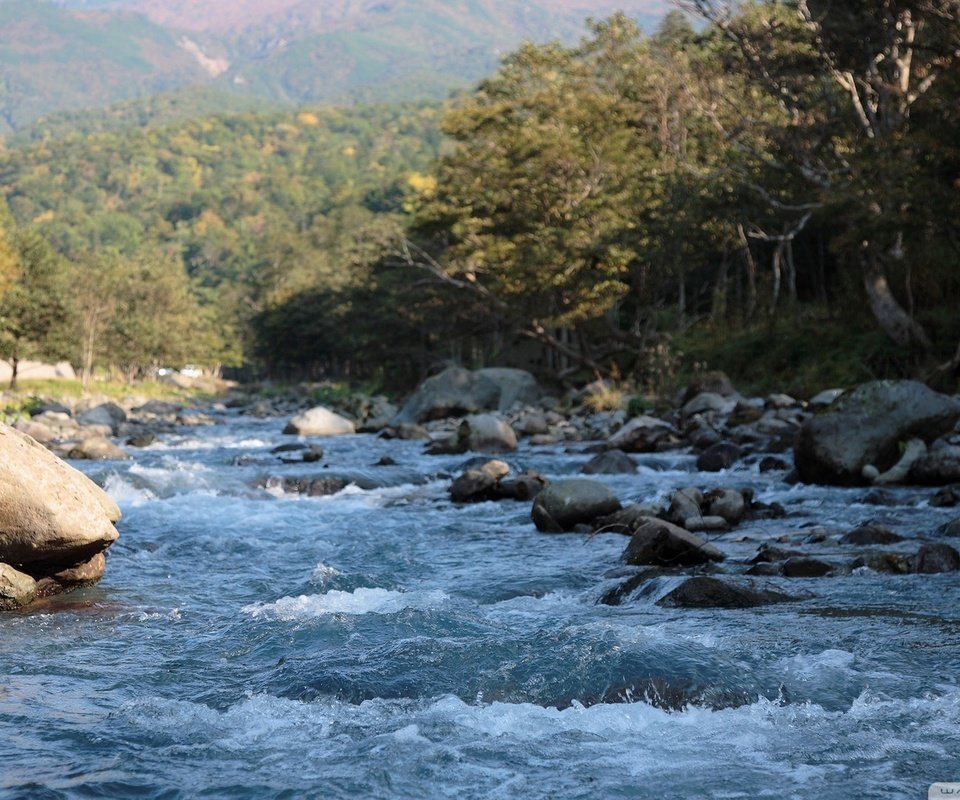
{"type": "Point", "coordinates": [359, 601]}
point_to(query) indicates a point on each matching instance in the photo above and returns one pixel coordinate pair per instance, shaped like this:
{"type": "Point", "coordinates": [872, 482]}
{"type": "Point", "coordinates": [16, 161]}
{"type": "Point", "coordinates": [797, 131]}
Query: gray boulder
{"type": "Point", "coordinates": [52, 517]}
{"type": "Point", "coordinates": [663, 544]}
{"type": "Point", "coordinates": [864, 428]}
{"type": "Point", "coordinates": [457, 392]}
{"type": "Point", "coordinates": [565, 504]}
{"type": "Point", "coordinates": [319, 421]}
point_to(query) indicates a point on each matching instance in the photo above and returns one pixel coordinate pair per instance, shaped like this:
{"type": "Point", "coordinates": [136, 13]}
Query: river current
{"type": "Point", "coordinates": [385, 643]}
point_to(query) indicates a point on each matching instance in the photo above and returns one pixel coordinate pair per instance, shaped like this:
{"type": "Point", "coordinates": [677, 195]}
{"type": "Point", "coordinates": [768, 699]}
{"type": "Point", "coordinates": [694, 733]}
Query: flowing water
{"type": "Point", "coordinates": [384, 643]}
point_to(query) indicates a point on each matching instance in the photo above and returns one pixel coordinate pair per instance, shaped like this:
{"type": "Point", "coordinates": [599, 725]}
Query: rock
{"type": "Point", "coordinates": [915, 449]}
{"type": "Point", "coordinates": [51, 405]}
{"type": "Point", "coordinates": [626, 520]}
{"type": "Point", "coordinates": [663, 544]}
{"type": "Point", "coordinates": [780, 400]}
{"type": "Point", "coordinates": [772, 464]}
{"type": "Point", "coordinates": [525, 486]}
{"type": "Point", "coordinates": [457, 392]}
{"type": "Point", "coordinates": [405, 431]}
{"type": "Point", "coordinates": [478, 485]}
{"type": "Point", "coordinates": [319, 421]}
{"type": "Point", "coordinates": [159, 408]}
{"type": "Point", "coordinates": [51, 515]}
{"type": "Point", "coordinates": [619, 593]}
{"type": "Point", "coordinates": [871, 533]}
{"type": "Point", "coordinates": [97, 448]}
{"type": "Point", "coordinates": [684, 504]}
{"type": "Point", "coordinates": [729, 504]}
{"type": "Point", "coordinates": [933, 558]}
{"type": "Point", "coordinates": [948, 497]}
{"type": "Point", "coordinates": [104, 414]}
{"type": "Point", "coordinates": [892, 563]}
{"type": "Point", "coordinates": [532, 423]}
{"type": "Point", "coordinates": [707, 592]}
{"type": "Point", "coordinates": [951, 528]}
{"type": "Point", "coordinates": [142, 440]}
{"type": "Point", "coordinates": [36, 430]}
{"type": "Point", "coordinates": [767, 554]}
{"type": "Point", "coordinates": [611, 462]}
{"type": "Point", "coordinates": [865, 427]}
{"type": "Point", "coordinates": [707, 523]}
{"type": "Point", "coordinates": [486, 433]}
{"type": "Point", "coordinates": [85, 574]}
{"type": "Point", "coordinates": [708, 403]}
{"type": "Point", "coordinates": [642, 434]}
{"type": "Point", "coordinates": [567, 503]}
{"type": "Point", "coordinates": [715, 382]}
{"type": "Point", "coordinates": [16, 588]}
{"type": "Point", "coordinates": [720, 456]}
{"type": "Point", "coordinates": [824, 398]}
{"type": "Point", "coordinates": [806, 568]}
{"type": "Point", "coordinates": [937, 468]}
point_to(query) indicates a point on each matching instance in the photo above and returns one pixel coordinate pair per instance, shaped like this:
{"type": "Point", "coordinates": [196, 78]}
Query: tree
{"type": "Point", "coordinates": [33, 311]}
{"type": "Point", "coordinates": [850, 79]}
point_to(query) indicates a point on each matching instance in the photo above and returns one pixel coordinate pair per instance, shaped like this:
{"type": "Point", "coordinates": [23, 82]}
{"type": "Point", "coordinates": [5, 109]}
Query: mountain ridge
{"type": "Point", "coordinates": [78, 54]}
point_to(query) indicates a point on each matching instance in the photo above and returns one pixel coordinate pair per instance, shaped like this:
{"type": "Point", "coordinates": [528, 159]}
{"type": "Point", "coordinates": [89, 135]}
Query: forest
{"type": "Point", "coordinates": [773, 190]}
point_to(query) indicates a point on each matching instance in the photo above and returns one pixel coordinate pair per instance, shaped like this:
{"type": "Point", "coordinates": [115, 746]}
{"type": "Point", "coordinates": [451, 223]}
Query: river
{"type": "Point", "coordinates": [385, 643]}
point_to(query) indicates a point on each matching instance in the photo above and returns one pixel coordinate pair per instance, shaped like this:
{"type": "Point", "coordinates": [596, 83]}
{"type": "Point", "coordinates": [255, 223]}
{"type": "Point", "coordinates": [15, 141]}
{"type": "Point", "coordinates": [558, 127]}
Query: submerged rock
{"type": "Point", "coordinates": [565, 504]}
{"type": "Point", "coordinates": [865, 428]}
{"type": "Point", "coordinates": [871, 534]}
{"type": "Point", "coordinates": [611, 462]}
{"type": "Point", "coordinates": [707, 592]}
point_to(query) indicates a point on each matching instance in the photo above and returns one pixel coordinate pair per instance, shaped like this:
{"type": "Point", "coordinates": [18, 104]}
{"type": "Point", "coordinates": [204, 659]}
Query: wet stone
{"type": "Point", "coordinates": [708, 592]}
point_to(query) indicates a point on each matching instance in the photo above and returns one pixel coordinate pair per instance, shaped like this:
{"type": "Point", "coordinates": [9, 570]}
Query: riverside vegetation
{"type": "Point", "coordinates": [776, 187]}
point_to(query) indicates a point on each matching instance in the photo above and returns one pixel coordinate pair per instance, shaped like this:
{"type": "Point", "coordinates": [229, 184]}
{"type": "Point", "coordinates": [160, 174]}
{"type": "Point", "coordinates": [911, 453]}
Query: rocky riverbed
{"type": "Point", "coordinates": [602, 606]}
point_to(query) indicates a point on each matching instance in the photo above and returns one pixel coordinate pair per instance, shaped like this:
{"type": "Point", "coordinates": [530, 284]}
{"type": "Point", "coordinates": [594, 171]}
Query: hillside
{"type": "Point", "coordinates": [79, 54]}
{"type": "Point", "coordinates": [52, 59]}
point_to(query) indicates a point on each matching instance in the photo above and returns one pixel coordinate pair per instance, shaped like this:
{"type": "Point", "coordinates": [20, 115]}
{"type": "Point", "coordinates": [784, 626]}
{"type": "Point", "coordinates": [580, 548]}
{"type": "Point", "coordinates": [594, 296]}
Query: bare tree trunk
{"type": "Point", "coordinates": [751, 266]}
{"type": "Point", "coordinates": [719, 310]}
{"type": "Point", "coordinates": [14, 369]}
{"type": "Point", "coordinates": [777, 276]}
{"type": "Point", "coordinates": [891, 316]}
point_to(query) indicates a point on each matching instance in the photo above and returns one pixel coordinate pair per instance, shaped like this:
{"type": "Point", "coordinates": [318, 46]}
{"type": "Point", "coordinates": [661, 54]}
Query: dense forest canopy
{"type": "Point", "coordinates": [579, 212]}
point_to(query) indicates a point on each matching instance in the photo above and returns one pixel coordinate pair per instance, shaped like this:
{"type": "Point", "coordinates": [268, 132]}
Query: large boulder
{"type": "Point", "coordinates": [865, 428]}
{"type": "Point", "coordinates": [16, 588]}
{"type": "Point", "coordinates": [52, 517]}
{"type": "Point", "coordinates": [564, 505]}
{"type": "Point", "coordinates": [319, 421]}
{"type": "Point", "coordinates": [457, 392]}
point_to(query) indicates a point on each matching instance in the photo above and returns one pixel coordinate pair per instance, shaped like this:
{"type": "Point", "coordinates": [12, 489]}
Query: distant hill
{"type": "Point", "coordinates": [77, 54]}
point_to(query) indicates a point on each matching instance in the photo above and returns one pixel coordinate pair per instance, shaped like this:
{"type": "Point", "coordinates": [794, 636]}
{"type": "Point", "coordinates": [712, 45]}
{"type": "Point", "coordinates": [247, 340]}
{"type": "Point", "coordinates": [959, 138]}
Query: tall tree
{"type": "Point", "coordinates": [850, 78]}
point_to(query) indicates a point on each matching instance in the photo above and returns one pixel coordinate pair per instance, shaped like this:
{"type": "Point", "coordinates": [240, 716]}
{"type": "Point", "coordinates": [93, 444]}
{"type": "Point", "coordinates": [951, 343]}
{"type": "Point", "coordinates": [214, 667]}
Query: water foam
{"type": "Point", "coordinates": [358, 602]}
